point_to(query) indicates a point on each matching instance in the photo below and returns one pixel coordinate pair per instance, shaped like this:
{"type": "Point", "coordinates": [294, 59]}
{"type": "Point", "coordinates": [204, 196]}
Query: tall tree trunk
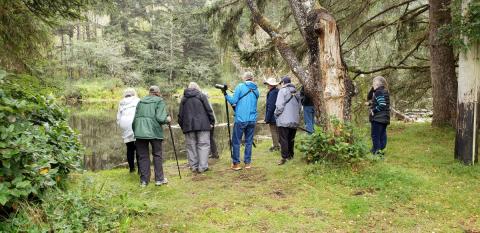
{"type": "Point", "coordinates": [325, 80]}
{"type": "Point", "coordinates": [466, 142]}
{"type": "Point", "coordinates": [442, 68]}
{"type": "Point", "coordinates": [328, 82]}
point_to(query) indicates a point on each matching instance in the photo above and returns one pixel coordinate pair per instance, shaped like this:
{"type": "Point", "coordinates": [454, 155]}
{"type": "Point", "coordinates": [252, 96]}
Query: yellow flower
{"type": "Point", "coordinates": [44, 170]}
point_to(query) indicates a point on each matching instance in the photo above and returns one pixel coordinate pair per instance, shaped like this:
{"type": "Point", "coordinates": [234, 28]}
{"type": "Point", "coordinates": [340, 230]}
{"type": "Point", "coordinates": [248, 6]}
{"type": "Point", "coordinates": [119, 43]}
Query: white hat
{"type": "Point", "coordinates": [271, 82]}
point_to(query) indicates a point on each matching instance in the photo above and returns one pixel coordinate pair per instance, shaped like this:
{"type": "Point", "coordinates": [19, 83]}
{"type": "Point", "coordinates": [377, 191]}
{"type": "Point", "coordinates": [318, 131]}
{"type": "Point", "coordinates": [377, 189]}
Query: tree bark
{"type": "Point", "coordinates": [466, 143]}
{"type": "Point", "coordinates": [325, 80]}
{"type": "Point", "coordinates": [442, 67]}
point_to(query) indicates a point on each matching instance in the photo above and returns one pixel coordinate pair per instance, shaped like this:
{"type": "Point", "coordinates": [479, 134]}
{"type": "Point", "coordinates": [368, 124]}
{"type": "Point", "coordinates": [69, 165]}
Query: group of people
{"type": "Point", "coordinates": [142, 120]}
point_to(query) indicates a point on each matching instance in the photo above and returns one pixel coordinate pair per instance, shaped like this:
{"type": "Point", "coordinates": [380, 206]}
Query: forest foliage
{"type": "Point", "coordinates": [38, 148]}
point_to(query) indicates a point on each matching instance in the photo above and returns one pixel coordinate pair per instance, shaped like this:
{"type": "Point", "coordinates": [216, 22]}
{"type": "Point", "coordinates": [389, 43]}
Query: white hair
{"type": "Point", "coordinates": [379, 81]}
{"type": "Point", "coordinates": [247, 75]}
{"type": "Point", "coordinates": [129, 92]}
{"type": "Point", "coordinates": [194, 85]}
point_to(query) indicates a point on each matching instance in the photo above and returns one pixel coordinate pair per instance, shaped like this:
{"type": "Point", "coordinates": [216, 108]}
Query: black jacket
{"type": "Point", "coordinates": [380, 108]}
{"type": "Point", "coordinates": [306, 101]}
{"type": "Point", "coordinates": [270, 105]}
{"type": "Point", "coordinates": [195, 112]}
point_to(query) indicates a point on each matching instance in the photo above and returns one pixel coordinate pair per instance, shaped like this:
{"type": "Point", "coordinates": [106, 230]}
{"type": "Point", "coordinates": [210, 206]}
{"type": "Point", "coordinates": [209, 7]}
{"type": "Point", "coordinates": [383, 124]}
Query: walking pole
{"type": "Point", "coordinates": [174, 149]}
{"type": "Point", "coordinates": [228, 128]}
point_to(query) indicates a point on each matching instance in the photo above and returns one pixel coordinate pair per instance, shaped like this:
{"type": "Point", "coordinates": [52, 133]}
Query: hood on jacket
{"type": "Point", "coordinates": [290, 86]}
{"type": "Point", "coordinates": [129, 100]}
{"type": "Point", "coordinates": [191, 92]}
{"type": "Point", "coordinates": [251, 85]}
{"type": "Point", "coordinates": [150, 99]}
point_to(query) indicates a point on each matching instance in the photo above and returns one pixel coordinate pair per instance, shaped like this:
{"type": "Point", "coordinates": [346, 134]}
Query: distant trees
{"type": "Point", "coordinates": [25, 28]}
{"type": "Point", "coordinates": [141, 41]}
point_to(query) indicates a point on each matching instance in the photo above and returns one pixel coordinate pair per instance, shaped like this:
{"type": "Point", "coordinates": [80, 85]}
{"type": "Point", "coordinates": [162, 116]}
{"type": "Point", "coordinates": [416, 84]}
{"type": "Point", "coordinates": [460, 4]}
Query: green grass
{"type": "Point", "coordinates": [417, 188]}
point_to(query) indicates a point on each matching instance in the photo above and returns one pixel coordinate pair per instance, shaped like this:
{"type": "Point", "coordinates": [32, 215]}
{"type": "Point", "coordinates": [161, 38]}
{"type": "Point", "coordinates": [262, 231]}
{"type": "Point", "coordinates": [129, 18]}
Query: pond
{"type": "Point", "coordinates": [105, 149]}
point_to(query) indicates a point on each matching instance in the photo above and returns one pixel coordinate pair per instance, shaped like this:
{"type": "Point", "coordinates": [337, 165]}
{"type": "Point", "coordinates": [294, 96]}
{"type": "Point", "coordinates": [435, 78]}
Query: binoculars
{"type": "Point", "coordinates": [222, 87]}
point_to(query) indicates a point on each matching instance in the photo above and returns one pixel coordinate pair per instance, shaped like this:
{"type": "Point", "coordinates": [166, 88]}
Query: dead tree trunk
{"type": "Point", "coordinates": [466, 142]}
{"type": "Point", "coordinates": [325, 79]}
{"type": "Point", "coordinates": [442, 68]}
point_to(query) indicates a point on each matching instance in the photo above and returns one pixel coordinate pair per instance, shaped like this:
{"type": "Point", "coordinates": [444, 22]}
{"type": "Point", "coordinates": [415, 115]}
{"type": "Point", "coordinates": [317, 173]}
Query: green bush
{"type": "Point", "coordinates": [341, 144]}
{"type": "Point", "coordinates": [37, 147]}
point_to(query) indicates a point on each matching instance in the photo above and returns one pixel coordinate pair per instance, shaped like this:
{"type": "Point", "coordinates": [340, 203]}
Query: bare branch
{"type": "Point", "coordinates": [388, 67]}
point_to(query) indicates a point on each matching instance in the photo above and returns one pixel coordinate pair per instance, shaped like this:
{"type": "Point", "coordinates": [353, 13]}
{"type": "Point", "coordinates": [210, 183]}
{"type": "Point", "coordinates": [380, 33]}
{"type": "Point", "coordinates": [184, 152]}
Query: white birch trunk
{"type": "Point", "coordinates": [467, 112]}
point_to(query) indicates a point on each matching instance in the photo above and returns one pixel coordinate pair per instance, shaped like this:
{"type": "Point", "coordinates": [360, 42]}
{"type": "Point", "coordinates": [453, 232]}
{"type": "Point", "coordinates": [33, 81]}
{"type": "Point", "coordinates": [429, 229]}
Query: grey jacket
{"type": "Point", "coordinates": [287, 109]}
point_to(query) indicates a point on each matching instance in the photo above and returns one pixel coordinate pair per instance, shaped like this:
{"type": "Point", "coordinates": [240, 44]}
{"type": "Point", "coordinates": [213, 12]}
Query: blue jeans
{"type": "Point", "coordinates": [309, 117]}
{"type": "Point", "coordinates": [239, 129]}
{"type": "Point", "coordinates": [379, 136]}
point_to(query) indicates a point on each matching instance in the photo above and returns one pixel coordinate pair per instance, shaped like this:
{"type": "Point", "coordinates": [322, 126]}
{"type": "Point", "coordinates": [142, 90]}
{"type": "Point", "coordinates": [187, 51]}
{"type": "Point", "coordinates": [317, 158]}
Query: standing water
{"type": "Point", "coordinates": [101, 136]}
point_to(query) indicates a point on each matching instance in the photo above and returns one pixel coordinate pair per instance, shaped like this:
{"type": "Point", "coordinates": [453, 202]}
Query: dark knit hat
{"type": "Point", "coordinates": [286, 79]}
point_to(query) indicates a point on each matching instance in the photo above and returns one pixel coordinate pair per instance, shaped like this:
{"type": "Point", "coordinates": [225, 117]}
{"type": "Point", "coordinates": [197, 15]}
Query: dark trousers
{"type": "Point", "coordinates": [143, 152]}
{"type": "Point", "coordinates": [286, 137]}
{"type": "Point", "coordinates": [379, 136]}
{"type": "Point", "coordinates": [213, 145]}
{"type": "Point", "coordinates": [131, 155]}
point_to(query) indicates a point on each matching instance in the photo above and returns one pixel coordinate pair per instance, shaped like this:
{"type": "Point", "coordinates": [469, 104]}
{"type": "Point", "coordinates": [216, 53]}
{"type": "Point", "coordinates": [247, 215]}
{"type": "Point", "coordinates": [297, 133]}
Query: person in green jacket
{"type": "Point", "coordinates": [150, 115]}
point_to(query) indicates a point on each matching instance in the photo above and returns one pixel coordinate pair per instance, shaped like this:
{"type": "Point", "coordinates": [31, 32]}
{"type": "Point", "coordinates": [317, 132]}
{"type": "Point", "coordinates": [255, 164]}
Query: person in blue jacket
{"type": "Point", "coordinates": [270, 110]}
{"type": "Point", "coordinates": [244, 100]}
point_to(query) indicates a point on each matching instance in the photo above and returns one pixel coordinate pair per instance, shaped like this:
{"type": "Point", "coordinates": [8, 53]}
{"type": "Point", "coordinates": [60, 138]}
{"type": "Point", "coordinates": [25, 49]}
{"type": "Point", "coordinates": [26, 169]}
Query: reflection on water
{"type": "Point", "coordinates": [104, 145]}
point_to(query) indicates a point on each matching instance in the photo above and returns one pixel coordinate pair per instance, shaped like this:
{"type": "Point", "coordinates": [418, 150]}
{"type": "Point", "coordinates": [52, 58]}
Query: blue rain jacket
{"type": "Point", "coordinates": [246, 106]}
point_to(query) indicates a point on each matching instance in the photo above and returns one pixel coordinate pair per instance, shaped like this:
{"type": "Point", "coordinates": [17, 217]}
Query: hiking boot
{"type": "Point", "coordinates": [248, 166]}
{"type": "Point", "coordinates": [273, 148]}
{"type": "Point", "coordinates": [162, 182]}
{"type": "Point", "coordinates": [143, 184]}
{"type": "Point", "coordinates": [282, 162]}
{"type": "Point", "coordinates": [236, 167]}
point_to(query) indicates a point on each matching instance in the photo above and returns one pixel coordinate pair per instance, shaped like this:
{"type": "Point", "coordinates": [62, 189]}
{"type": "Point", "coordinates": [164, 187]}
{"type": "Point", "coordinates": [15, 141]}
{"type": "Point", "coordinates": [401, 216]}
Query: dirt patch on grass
{"type": "Point", "coordinates": [363, 192]}
{"type": "Point", "coordinates": [278, 193]}
{"type": "Point", "coordinates": [200, 177]}
{"type": "Point", "coordinates": [252, 175]}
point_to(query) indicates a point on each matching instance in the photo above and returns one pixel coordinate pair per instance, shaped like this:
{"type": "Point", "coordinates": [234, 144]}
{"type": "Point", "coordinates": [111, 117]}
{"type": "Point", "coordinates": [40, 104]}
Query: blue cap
{"type": "Point", "coordinates": [286, 79]}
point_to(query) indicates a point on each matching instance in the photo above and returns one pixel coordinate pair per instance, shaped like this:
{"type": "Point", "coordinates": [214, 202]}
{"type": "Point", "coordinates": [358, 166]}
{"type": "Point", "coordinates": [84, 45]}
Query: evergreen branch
{"type": "Point", "coordinates": [415, 12]}
{"type": "Point", "coordinates": [420, 42]}
{"type": "Point", "coordinates": [374, 17]}
{"type": "Point", "coordinates": [283, 48]}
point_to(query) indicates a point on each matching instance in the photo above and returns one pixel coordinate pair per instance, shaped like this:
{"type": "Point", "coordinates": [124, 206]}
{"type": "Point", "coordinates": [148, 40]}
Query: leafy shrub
{"type": "Point", "coordinates": [37, 147]}
{"type": "Point", "coordinates": [341, 144]}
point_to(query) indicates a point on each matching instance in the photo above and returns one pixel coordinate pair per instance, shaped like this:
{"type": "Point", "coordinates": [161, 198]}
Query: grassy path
{"type": "Point", "coordinates": [418, 188]}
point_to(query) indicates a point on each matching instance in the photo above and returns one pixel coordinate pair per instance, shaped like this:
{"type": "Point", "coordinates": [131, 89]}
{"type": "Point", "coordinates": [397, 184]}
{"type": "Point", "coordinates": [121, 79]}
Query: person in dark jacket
{"type": "Point", "coordinates": [150, 115]}
{"type": "Point", "coordinates": [196, 119]}
{"type": "Point", "coordinates": [308, 111]}
{"type": "Point", "coordinates": [379, 114]}
{"type": "Point", "coordinates": [270, 111]}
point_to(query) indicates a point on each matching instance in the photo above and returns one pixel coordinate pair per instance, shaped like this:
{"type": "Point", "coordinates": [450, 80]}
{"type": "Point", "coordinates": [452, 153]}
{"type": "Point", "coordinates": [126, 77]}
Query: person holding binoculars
{"type": "Point", "coordinates": [244, 101]}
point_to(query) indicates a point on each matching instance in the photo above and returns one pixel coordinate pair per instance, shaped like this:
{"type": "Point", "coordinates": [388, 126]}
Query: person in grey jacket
{"type": "Point", "coordinates": [287, 112]}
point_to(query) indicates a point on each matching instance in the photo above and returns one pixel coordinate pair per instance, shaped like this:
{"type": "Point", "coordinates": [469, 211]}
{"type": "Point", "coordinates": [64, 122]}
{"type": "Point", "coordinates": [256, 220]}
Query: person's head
{"type": "Point", "coordinates": [379, 81]}
{"type": "Point", "coordinates": [129, 92]}
{"type": "Point", "coordinates": [271, 83]}
{"type": "Point", "coordinates": [154, 90]}
{"type": "Point", "coordinates": [247, 76]}
{"type": "Point", "coordinates": [286, 80]}
{"type": "Point", "coordinates": [194, 85]}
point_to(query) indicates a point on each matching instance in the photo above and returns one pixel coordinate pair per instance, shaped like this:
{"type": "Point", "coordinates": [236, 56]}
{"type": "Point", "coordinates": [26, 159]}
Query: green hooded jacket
{"type": "Point", "coordinates": [150, 114]}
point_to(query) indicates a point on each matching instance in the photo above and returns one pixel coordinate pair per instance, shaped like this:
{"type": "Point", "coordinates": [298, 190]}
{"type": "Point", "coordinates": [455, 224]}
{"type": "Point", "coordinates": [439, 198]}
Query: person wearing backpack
{"type": "Point", "coordinates": [244, 100]}
{"type": "Point", "coordinates": [196, 119]}
{"type": "Point", "coordinates": [287, 112]}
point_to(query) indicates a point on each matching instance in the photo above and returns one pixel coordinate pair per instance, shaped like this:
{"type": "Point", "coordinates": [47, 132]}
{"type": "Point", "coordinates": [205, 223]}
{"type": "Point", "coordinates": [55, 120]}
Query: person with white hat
{"type": "Point", "coordinates": [125, 115]}
{"type": "Point", "coordinates": [272, 94]}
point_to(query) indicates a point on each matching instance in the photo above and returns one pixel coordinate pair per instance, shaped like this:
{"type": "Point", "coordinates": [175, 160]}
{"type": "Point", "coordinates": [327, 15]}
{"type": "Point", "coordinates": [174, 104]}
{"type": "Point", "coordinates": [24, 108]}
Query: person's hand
{"type": "Point", "coordinates": [169, 119]}
{"type": "Point", "coordinates": [211, 126]}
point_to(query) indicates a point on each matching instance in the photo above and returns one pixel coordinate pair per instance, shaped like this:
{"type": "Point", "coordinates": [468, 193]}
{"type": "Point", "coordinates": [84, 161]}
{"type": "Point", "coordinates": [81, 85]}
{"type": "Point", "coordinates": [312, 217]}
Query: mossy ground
{"type": "Point", "coordinates": [417, 188]}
